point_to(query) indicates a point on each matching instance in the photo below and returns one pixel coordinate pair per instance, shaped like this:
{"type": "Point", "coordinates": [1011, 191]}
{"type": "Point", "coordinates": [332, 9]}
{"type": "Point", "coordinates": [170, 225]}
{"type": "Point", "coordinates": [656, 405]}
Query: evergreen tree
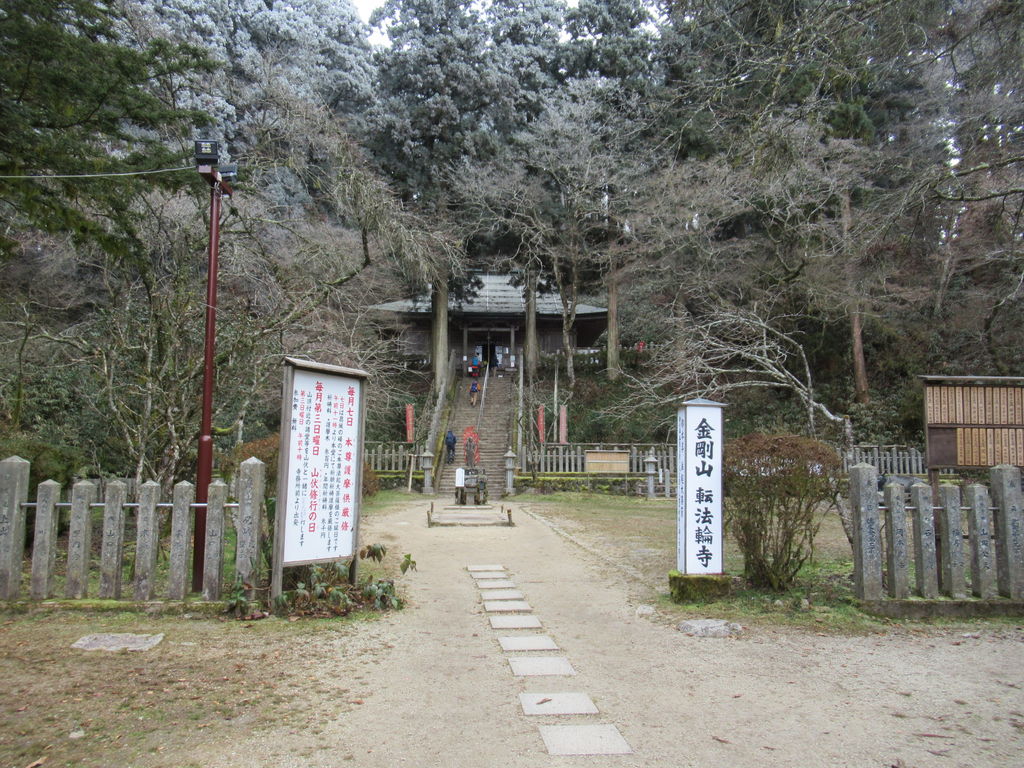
{"type": "Point", "coordinates": [75, 100]}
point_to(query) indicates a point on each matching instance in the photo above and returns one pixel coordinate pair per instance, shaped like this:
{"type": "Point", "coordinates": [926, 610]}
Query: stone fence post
{"type": "Point", "coordinates": [867, 540]}
{"type": "Point", "coordinates": [251, 483]}
{"type": "Point", "coordinates": [897, 554]}
{"type": "Point", "coordinates": [181, 536]}
{"type": "Point", "coordinates": [112, 548]}
{"type": "Point", "coordinates": [1009, 525]}
{"type": "Point", "coordinates": [147, 540]}
{"type": "Point", "coordinates": [44, 540]}
{"type": "Point", "coordinates": [83, 494]}
{"type": "Point", "coordinates": [13, 494]}
{"type": "Point", "coordinates": [926, 572]}
{"type": "Point", "coordinates": [213, 564]}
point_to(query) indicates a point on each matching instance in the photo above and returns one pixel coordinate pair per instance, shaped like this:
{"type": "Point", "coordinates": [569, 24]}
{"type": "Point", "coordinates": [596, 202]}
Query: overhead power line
{"type": "Point", "coordinates": [98, 175]}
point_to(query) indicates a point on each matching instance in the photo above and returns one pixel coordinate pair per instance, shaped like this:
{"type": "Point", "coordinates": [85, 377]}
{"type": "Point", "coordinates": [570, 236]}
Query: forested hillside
{"type": "Point", "coordinates": [798, 206]}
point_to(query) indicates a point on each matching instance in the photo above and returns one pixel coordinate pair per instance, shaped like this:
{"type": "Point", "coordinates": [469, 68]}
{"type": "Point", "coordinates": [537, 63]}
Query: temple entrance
{"type": "Point", "coordinates": [494, 346]}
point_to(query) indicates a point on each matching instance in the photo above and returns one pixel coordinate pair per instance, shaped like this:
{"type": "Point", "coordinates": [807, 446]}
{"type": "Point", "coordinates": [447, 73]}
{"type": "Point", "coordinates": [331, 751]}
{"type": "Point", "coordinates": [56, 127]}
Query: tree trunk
{"type": "Point", "coordinates": [860, 368]}
{"type": "Point", "coordinates": [531, 346]}
{"type": "Point", "coordinates": [614, 364]}
{"type": "Point", "coordinates": [860, 372]}
{"type": "Point", "coordinates": [439, 333]}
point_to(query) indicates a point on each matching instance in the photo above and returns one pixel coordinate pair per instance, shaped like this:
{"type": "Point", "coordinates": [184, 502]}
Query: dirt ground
{"type": "Point", "coordinates": [430, 686]}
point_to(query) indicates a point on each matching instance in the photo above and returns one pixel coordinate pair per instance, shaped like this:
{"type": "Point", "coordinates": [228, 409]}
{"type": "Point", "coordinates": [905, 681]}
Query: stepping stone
{"type": "Point", "coordinates": [514, 622]}
{"type": "Point", "coordinates": [480, 575]}
{"type": "Point", "coordinates": [117, 642]}
{"type": "Point", "coordinates": [537, 666]}
{"type": "Point", "coordinates": [505, 594]}
{"type": "Point", "coordinates": [584, 740]}
{"type": "Point", "coordinates": [496, 584]}
{"type": "Point", "coordinates": [507, 606]}
{"type": "Point", "coordinates": [472, 568]}
{"type": "Point", "coordinates": [528, 643]}
{"type": "Point", "coordinates": [557, 704]}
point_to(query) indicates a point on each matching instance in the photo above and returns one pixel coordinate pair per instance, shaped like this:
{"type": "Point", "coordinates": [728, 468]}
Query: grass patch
{"type": "Point", "coordinates": [638, 537]}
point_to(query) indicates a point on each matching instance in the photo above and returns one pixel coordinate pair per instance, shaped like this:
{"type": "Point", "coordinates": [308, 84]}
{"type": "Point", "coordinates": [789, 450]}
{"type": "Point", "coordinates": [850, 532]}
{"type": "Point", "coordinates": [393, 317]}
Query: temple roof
{"type": "Point", "coordinates": [496, 295]}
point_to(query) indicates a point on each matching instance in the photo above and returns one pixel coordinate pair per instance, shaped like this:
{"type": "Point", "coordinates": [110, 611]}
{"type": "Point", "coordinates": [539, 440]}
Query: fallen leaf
{"type": "Point", "coordinates": [721, 740]}
{"type": "Point", "coordinates": [544, 701]}
{"type": "Point", "coordinates": [37, 763]}
{"type": "Point", "coordinates": [932, 735]}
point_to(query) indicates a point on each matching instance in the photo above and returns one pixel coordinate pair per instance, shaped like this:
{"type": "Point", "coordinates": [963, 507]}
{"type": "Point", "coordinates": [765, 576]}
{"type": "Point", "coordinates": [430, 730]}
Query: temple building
{"type": "Point", "coordinates": [488, 319]}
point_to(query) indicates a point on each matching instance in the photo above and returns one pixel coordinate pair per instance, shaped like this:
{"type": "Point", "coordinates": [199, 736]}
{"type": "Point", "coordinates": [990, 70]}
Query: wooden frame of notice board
{"type": "Point", "coordinates": [320, 466]}
{"type": "Point", "coordinates": [973, 421]}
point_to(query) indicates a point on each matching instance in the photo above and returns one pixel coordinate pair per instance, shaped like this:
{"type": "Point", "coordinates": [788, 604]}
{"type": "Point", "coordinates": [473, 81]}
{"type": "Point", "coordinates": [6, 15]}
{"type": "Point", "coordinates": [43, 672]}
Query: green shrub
{"type": "Point", "coordinates": [775, 485]}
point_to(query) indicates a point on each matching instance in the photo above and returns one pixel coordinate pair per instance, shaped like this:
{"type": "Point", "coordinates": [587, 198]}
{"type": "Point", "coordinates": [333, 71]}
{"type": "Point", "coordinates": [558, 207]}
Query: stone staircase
{"type": "Point", "coordinates": [492, 417]}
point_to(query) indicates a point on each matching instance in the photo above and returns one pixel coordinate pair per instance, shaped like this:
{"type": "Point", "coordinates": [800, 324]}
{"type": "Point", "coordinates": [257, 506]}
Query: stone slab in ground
{"type": "Point", "coordinates": [507, 606]}
{"type": "Point", "coordinates": [117, 642]}
{"type": "Point", "coordinates": [557, 704]}
{"type": "Point", "coordinates": [481, 575]}
{"type": "Point", "coordinates": [472, 568]}
{"type": "Point", "coordinates": [528, 643]}
{"type": "Point", "coordinates": [537, 666]}
{"type": "Point", "coordinates": [584, 740]}
{"type": "Point", "coordinates": [505, 594]}
{"type": "Point", "coordinates": [514, 622]}
{"type": "Point", "coordinates": [496, 584]}
{"type": "Point", "coordinates": [709, 628]}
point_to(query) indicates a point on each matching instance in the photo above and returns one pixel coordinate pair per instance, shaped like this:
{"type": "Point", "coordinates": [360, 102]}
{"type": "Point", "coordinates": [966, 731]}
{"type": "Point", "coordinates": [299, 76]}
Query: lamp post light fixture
{"type": "Point", "coordinates": [207, 156]}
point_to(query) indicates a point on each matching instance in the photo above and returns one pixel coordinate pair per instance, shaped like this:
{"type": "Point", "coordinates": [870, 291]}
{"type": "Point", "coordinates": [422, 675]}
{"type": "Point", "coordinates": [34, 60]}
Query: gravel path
{"type": "Point", "coordinates": [438, 689]}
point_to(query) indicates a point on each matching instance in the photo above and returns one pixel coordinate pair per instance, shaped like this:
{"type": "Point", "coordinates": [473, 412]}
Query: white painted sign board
{"type": "Point", "coordinates": [320, 466]}
{"type": "Point", "coordinates": [700, 444]}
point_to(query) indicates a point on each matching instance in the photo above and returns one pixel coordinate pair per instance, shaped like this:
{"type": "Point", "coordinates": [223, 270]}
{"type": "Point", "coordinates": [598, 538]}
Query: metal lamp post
{"type": "Point", "coordinates": [207, 155]}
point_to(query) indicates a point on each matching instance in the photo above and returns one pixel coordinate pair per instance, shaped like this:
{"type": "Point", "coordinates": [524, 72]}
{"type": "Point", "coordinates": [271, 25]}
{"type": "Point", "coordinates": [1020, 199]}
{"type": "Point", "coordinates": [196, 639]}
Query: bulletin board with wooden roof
{"type": "Point", "coordinates": [974, 421]}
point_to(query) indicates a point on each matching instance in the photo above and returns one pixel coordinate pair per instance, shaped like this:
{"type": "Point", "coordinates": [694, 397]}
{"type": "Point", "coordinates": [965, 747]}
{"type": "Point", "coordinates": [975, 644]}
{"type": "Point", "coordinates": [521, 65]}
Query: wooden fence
{"type": "Point", "coordinates": [572, 458]}
{"type": "Point", "coordinates": [391, 457]}
{"type": "Point", "coordinates": [887, 459]}
{"type": "Point", "coordinates": [144, 517]}
{"type": "Point", "coordinates": [933, 539]}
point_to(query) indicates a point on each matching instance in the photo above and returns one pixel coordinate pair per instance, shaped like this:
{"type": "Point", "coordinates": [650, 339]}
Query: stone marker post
{"type": "Point", "coordinates": [113, 540]}
{"type": "Point", "coordinates": [651, 465]}
{"type": "Point", "coordinates": [1009, 525]}
{"type": "Point", "coordinates": [926, 574]}
{"type": "Point", "coordinates": [251, 483]}
{"type": "Point", "coordinates": [181, 527]}
{"type": "Point", "coordinates": [13, 494]}
{"type": "Point", "coordinates": [951, 568]}
{"type": "Point", "coordinates": [867, 544]}
{"type": "Point", "coordinates": [147, 540]}
{"type": "Point", "coordinates": [83, 495]}
{"type": "Point", "coordinates": [213, 564]}
{"type": "Point", "coordinates": [427, 464]}
{"type": "Point", "coordinates": [44, 540]}
{"type": "Point", "coordinates": [979, 530]}
{"type": "Point", "coordinates": [898, 552]}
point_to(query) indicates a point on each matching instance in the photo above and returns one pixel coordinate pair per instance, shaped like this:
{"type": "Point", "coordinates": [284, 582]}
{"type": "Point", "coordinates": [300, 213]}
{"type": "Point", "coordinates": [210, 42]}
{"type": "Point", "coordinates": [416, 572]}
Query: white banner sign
{"type": "Point", "coordinates": [699, 511]}
{"type": "Point", "coordinates": [322, 467]}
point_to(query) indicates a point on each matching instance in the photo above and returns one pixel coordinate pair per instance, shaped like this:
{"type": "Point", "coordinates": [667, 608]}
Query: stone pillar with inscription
{"type": "Point", "coordinates": [979, 531]}
{"type": "Point", "coordinates": [181, 526]}
{"type": "Point", "coordinates": [213, 565]}
{"type": "Point", "coordinates": [14, 474]}
{"type": "Point", "coordinates": [251, 483]}
{"type": "Point", "coordinates": [112, 548]}
{"type": "Point", "coordinates": [898, 550]}
{"type": "Point", "coordinates": [951, 568]}
{"type": "Point", "coordinates": [926, 572]}
{"type": "Point", "coordinates": [1006, 497]}
{"type": "Point", "coordinates": [867, 537]}
{"type": "Point", "coordinates": [147, 540]}
{"type": "Point", "coordinates": [83, 494]}
{"type": "Point", "coordinates": [44, 540]}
